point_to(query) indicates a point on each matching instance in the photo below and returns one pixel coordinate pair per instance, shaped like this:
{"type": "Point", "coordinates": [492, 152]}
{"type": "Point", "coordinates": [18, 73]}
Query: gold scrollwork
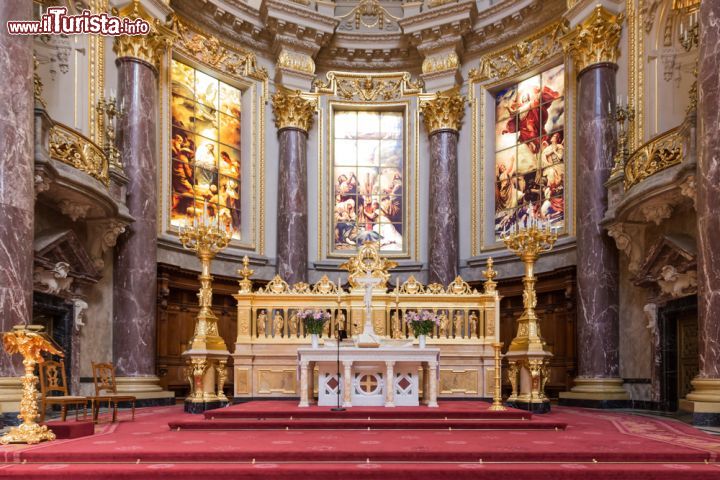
{"type": "Point", "coordinates": [74, 149]}
{"type": "Point", "coordinates": [441, 62]}
{"type": "Point", "coordinates": [210, 51]}
{"type": "Point", "coordinates": [656, 155]}
{"type": "Point", "coordinates": [325, 286]}
{"type": "Point", "coordinates": [522, 56]}
{"type": "Point", "coordinates": [596, 39]}
{"type": "Point", "coordinates": [368, 262]}
{"type": "Point", "coordinates": [276, 285]}
{"type": "Point", "coordinates": [368, 87]}
{"type": "Point", "coordinates": [148, 48]}
{"type": "Point", "coordinates": [412, 286]}
{"type": "Point", "coordinates": [445, 111]}
{"type": "Point", "coordinates": [293, 109]}
{"type": "Point", "coordinates": [460, 287]}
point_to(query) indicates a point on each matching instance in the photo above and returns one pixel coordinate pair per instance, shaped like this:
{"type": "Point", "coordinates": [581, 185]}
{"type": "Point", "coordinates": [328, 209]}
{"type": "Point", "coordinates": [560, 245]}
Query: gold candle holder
{"type": "Point", "coordinates": [30, 342]}
{"type": "Point", "coordinates": [497, 405]}
{"type": "Point", "coordinates": [206, 240]}
{"type": "Point", "coordinates": [528, 243]}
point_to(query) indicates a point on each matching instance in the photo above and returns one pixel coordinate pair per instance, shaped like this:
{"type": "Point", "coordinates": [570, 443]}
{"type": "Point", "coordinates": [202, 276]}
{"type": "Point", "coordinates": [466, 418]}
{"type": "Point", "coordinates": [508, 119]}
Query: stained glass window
{"type": "Point", "coordinates": [368, 175]}
{"type": "Point", "coordinates": [205, 148]}
{"type": "Point", "coordinates": [529, 146]}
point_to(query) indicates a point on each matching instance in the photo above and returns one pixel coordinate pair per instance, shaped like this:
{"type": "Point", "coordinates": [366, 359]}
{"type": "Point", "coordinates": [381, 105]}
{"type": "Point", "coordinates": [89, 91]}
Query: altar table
{"type": "Point", "coordinates": [384, 376]}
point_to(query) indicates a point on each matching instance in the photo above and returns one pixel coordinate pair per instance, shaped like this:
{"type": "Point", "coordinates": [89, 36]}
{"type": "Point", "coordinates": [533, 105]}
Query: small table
{"type": "Point", "coordinates": [384, 376]}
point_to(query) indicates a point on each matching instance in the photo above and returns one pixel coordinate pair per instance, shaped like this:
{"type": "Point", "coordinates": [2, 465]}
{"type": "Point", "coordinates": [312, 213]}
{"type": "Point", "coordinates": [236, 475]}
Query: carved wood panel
{"type": "Point", "coordinates": [176, 311]}
{"type": "Point", "coordinates": [556, 308]}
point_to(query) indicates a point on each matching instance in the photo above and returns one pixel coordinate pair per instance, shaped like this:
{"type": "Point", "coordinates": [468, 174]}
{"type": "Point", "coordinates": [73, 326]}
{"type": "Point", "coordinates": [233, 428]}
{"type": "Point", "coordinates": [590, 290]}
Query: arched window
{"type": "Point", "coordinates": [529, 151]}
{"type": "Point", "coordinates": [368, 176]}
{"type": "Point", "coordinates": [205, 148]}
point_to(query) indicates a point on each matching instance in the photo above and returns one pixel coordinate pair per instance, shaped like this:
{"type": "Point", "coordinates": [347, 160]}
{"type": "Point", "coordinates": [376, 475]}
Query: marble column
{"type": "Point", "coordinates": [135, 265]}
{"type": "Point", "coordinates": [442, 117]}
{"type": "Point", "coordinates": [293, 119]}
{"type": "Point", "coordinates": [16, 194]}
{"type": "Point", "coordinates": [598, 382]}
{"type": "Point", "coordinates": [704, 401]}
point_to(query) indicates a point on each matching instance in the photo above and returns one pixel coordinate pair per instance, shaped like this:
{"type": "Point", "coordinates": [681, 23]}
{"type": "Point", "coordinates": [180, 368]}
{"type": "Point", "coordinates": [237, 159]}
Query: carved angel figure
{"type": "Point", "coordinates": [444, 323]}
{"type": "Point", "coordinates": [278, 324]}
{"type": "Point", "coordinates": [261, 323]}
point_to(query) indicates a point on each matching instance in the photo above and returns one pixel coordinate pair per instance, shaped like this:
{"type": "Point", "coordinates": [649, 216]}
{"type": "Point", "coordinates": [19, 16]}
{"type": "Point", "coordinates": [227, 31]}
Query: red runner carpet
{"type": "Point", "coordinates": [595, 445]}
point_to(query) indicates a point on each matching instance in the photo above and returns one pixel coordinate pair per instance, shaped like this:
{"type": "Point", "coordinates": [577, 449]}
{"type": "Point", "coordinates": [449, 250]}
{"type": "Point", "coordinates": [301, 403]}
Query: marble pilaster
{"type": "Point", "coordinates": [443, 218]}
{"type": "Point", "coordinates": [16, 182]}
{"type": "Point", "coordinates": [704, 401]}
{"type": "Point", "coordinates": [292, 222]}
{"type": "Point", "coordinates": [293, 119]}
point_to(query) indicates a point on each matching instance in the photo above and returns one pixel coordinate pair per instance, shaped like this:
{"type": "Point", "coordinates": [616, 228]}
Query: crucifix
{"type": "Point", "coordinates": [368, 338]}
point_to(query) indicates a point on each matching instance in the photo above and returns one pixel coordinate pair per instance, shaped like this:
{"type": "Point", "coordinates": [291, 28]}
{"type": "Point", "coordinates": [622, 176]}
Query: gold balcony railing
{"type": "Point", "coordinates": [660, 153]}
{"type": "Point", "coordinates": [73, 148]}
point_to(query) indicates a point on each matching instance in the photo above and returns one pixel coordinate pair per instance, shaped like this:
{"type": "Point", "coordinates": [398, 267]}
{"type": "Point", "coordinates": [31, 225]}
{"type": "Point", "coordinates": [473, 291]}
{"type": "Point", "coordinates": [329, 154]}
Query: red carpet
{"type": "Point", "coordinates": [595, 445]}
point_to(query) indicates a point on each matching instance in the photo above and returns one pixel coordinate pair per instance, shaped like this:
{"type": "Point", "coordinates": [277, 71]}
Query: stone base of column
{"type": "Point", "coordinates": [10, 396]}
{"type": "Point", "coordinates": [146, 390]}
{"type": "Point", "coordinates": [596, 393]}
{"type": "Point", "coordinates": [703, 402]}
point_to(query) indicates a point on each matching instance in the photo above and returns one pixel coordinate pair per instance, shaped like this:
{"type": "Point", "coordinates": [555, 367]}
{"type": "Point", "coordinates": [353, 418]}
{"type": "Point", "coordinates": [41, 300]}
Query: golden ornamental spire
{"type": "Point", "coordinates": [595, 40]}
{"type": "Point", "coordinates": [445, 111]}
{"type": "Point", "coordinates": [293, 110]}
{"type": "Point", "coordinates": [148, 48]}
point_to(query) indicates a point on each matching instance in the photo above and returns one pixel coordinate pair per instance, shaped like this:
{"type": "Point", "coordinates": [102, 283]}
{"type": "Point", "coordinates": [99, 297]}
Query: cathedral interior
{"type": "Point", "coordinates": [542, 178]}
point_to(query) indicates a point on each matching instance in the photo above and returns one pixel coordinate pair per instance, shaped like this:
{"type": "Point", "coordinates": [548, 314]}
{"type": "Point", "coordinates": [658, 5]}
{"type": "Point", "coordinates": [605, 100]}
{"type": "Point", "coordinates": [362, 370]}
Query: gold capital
{"type": "Point", "coordinates": [293, 109]}
{"type": "Point", "coordinates": [595, 40]}
{"type": "Point", "coordinates": [445, 111]}
{"type": "Point", "coordinates": [148, 48]}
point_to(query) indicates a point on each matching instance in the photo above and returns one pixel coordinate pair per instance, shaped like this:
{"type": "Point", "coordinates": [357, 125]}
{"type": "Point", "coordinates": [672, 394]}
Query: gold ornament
{"type": "Point", "coordinates": [595, 40]}
{"type": "Point", "coordinates": [368, 262]}
{"type": "Point", "coordinates": [368, 87]}
{"type": "Point", "coordinates": [148, 48]}
{"type": "Point", "coordinates": [76, 150]}
{"type": "Point", "coordinates": [445, 111]}
{"type": "Point", "coordinates": [497, 405]}
{"type": "Point", "coordinates": [299, 62]}
{"type": "Point", "coordinates": [660, 153]}
{"type": "Point", "coordinates": [490, 274]}
{"type": "Point", "coordinates": [293, 110]}
{"type": "Point", "coordinates": [441, 63]}
{"type": "Point", "coordinates": [245, 272]}
{"type": "Point", "coordinates": [30, 342]}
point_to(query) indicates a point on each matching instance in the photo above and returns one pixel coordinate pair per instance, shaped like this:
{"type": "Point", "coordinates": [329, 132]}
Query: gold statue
{"type": "Point", "coordinates": [444, 323]}
{"type": "Point", "coordinates": [396, 325]}
{"type": "Point", "coordinates": [340, 320]}
{"type": "Point", "coordinates": [261, 323]}
{"type": "Point", "coordinates": [278, 324]}
{"type": "Point", "coordinates": [473, 325]}
{"type": "Point", "coordinates": [30, 342]}
{"type": "Point", "coordinates": [458, 320]}
{"type": "Point", "coordinates": [293, 324]}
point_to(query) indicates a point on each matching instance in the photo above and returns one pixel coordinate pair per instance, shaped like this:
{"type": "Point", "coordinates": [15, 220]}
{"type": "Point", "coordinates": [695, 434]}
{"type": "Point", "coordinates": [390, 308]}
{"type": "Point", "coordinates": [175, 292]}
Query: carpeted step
{"type": "Point", "coordinates": [366, 424]}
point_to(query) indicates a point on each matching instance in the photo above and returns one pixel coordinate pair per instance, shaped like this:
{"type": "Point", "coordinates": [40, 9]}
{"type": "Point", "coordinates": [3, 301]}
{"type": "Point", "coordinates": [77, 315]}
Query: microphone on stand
{"type": "Point", "coordinates": [341, 335]}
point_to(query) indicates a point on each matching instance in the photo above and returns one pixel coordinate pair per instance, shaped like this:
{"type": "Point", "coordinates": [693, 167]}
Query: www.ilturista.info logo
{"type": "Point", "coordinates": [56, 21]}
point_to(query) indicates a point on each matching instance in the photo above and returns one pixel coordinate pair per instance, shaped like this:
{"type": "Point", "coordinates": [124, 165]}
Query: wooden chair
{"type": "Point", "coordinates": [53, 379]}
{"type": "Point", "coordinates": [106, 390]}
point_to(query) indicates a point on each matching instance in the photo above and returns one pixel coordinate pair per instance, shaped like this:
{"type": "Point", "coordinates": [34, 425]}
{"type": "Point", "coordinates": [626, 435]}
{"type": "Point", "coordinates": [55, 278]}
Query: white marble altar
{"type": "Point", "coordinates": [384, 376]}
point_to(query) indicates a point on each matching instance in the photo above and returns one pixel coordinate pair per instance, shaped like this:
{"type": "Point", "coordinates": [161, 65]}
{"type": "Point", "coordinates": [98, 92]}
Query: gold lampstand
{"type": "Point", "coordinates": [528, 358]}
{"type": "Point", "coordinates": [497, 405]}
{"type": "Point", "coordinates": [30, 342]}
{"type": "Point", "coordinates": [207, 356]}
{"type": "Point", "coordinates": [110, 109]}
{"type": "Point", "coordinates": [624, 116]}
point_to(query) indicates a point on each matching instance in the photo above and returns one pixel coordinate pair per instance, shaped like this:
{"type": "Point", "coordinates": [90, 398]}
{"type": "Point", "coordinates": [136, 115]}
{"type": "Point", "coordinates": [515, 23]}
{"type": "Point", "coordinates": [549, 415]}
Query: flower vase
{"type": "Point", "coordinates": [421, 341]}
{"type": "Point", "coordinates": [315, 340]}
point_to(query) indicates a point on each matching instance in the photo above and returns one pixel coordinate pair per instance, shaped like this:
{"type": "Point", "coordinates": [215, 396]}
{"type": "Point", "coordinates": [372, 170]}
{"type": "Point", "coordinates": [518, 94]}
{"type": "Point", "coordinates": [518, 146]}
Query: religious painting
{"type": "Point", "coordinates": [205, 149]}
{"type": "Point", "coordinates": [530, 152]}
{"type": "Point", "coordinates": [368, 175]}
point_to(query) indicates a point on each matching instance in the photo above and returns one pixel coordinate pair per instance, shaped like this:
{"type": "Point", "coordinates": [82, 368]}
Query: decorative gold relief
{"type": "Point", "coordinates": [490, 274]}
{"type": "Point", "coordinates": [299, 62]}
{"type": "Point", "coordinates": [368, 262]}
{"type": "Point", "coordinates": [656, 155]}
{"type": "Point", "coordinates": [293, 109]}
{"type": "Point", "coordinates": [209, 50]}
{"type": "Point", "coordinates": [368, 14]}
{"type": "Point", "coordinates": [281, 381]}
{"type": "Point", "coordinates": [445, 111]}
{"type": "Point", "coordinates": [76, 150]}
{"type": "Point", "coordinates": [412, 286]}
{"type": "Point", "coordinates": [441, 62]}
{"type": "Point", "coordinates": [242, 381]}
{"type": "Point", "coordinates": [277, 285]}
{"type": "Point", "coordinates": [595, 40]}
{"type": "Point", "coordinates": [438, 3]}
{"type": "Point", "coordinates": [458, 382]}
{"type": "Point", "coordinates": [245, 272]}
{"type": "Point", "coordinates": [324, 286]}
{"type": "Point", "coordinates": [522, 56]}
{"type": "Point", "coordinates": [460, 287]}
{"type": "Point", "coordinates": [37, 84]}
{"type": "Point", "coordinates": [368, 87]}
{"type": "Point", "coordinates": [148, 48]}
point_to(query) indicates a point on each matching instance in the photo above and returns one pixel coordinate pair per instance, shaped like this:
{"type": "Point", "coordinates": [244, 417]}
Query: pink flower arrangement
{"type": "Point", "coordinates": [313, 320]}
{"type": "Point", "coordinates": [422, 323]}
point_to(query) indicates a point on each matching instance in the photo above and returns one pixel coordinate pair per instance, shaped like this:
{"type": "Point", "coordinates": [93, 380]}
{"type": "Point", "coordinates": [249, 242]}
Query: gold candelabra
{"type": "Point", "coordinates": [30, 342]}
{"type": "Point", "coordinates": [110, 109]}
{"type": "Point", "coordinates": [528, 243]}
{"type": "Point", "coordinates": [206, 239]}
{"type": "Point", "coordinates": [624, 116]}
{"type": "Point", "coordinates": [497, 405]}
{"type": "Point", "coordinates": [689, 30]}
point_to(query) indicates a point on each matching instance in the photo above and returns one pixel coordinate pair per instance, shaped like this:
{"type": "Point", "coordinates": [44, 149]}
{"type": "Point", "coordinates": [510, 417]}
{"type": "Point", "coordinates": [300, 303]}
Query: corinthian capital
{"type": "Point", "coordinates": [148, 48]}
{"type": "Point", "coordinates": [445, 111]}
{"type": "Point", "coordinates": [596, 39]}
{"type": "Point", "coordinates": [293, 109]}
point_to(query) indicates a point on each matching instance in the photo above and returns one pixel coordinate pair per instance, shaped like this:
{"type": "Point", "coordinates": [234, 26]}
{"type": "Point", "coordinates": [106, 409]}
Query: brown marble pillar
{"type": "Point", "coordinates": [135, 266]}
{"type": "Point", "coordinates": [704, 401]}
{"type": "Point", "coordinates": [293, 118]}
{"type": "Point", "coordinates": [442, 117]}
{"type": "Point", "coordinates": [598, 382]}
{"type": "Point", "coordinates": [16, 179]}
